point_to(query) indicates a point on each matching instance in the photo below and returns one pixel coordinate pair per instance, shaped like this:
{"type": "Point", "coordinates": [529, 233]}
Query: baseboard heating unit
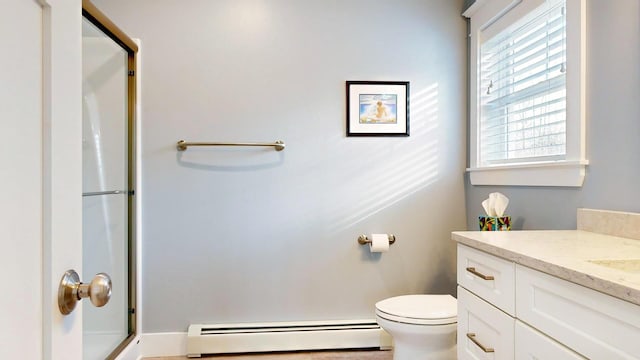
{"type": "Point", "coordinates": [289, 336]}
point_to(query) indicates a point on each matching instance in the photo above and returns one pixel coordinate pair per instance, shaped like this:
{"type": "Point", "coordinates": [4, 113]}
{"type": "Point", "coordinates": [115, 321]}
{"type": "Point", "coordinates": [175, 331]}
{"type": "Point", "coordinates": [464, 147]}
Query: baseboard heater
{"type": "Point", "coordinates": [289, 336]}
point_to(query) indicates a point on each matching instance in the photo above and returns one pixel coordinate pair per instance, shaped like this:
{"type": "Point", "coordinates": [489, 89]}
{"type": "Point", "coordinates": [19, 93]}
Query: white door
{"type": "Point", "coordinates": [40, 167]}
{"type": "Point", "coordinates": [20, 179]}
{"type": "Point", "coordinates": [41, 179]}
{"type": "Point", "coordinates": [62, 179]}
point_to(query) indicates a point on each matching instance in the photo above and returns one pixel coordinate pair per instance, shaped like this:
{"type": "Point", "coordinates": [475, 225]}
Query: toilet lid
{"type": "Point", "coordinates": [419, 309]}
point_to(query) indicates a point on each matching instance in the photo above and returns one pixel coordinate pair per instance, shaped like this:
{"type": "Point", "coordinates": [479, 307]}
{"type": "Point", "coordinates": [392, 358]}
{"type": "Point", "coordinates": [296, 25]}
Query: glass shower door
{"type": "Point", "coordinates": [106, 191]}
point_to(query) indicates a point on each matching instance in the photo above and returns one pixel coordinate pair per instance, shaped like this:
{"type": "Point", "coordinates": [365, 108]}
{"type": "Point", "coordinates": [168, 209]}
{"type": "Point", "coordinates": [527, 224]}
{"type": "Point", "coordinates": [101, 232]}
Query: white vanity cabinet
{"type": "Point", "coordinates": [483, 330]}
{"type": "Point", "coordinates": [486, 305]}
{"type": "Point", "coordinates": [509, 311]}
{"type": "Point", "coordinates": [489, 277]}
{"type": "Point", "coordinates": [591, 323]}
{"type": "Point", "coordinates": [532, 344]}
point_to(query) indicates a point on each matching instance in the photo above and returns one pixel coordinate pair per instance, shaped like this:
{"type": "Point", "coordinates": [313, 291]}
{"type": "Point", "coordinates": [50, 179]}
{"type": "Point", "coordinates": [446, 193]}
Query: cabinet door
{"type": "Point", "coordinates": [484, 332]}
{"type": "Point", "coordinates": [488, 276]}
{"type": "Point", "coordinates": [531, 344]}
{"type": "Point", "coordinates": [595, 325]}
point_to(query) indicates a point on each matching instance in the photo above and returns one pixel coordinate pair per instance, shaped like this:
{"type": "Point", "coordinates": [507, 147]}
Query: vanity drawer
{"type": "Point", "coordinates": [487, 276]}
{"type": "Point", "coordinates": [484, 332]}
{"type": "Point", "coordinates": [531, 344]}
{"type": "Point", "coordinates": [593, 324]}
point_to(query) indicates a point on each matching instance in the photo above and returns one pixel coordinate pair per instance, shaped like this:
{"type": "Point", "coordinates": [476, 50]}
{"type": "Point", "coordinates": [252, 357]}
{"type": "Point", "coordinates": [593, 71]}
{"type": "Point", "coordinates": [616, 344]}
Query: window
{"type": "Point", "coordinates": [527, 71]}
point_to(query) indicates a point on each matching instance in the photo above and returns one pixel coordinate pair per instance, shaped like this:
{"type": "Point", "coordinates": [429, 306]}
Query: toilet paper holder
{"type": "Point", "coordinates": [363, 239]}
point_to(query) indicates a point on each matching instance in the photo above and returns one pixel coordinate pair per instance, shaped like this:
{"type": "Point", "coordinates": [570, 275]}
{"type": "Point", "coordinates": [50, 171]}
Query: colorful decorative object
{"type": "Point", "coordinates": [494, 223]}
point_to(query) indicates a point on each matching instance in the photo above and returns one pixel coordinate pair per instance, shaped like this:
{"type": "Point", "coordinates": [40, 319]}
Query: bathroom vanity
{"type": "Point", "coordinates": [570, 294]}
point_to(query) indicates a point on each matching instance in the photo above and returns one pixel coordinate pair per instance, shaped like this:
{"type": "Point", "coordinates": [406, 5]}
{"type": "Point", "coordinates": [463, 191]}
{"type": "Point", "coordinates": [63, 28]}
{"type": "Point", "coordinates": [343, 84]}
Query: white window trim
{"type": "Point", "coordinates": [568, 172]}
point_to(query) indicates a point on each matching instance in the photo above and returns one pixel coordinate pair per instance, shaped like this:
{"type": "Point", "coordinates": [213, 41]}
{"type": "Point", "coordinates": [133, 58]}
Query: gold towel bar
{"type": "Point", "coordinates": [183, 145]}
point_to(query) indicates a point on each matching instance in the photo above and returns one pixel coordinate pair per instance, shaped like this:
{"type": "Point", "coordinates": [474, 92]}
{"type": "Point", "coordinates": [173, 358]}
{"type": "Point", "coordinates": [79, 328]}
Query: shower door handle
{"type": "Point", "coordinates": [71, 290]}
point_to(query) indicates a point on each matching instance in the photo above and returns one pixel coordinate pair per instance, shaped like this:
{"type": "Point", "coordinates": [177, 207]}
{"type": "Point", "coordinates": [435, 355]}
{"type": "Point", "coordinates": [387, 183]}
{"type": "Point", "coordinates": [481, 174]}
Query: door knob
{"type": "Point", "coordinates": [71, 290]}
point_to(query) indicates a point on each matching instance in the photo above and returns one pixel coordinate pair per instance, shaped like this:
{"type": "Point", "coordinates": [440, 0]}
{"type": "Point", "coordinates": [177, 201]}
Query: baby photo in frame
{"type": "Point", "coordinates": [377, 108]}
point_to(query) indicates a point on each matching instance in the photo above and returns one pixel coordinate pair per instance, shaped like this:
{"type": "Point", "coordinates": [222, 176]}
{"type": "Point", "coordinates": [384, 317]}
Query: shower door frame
{"type": "Point", "coordinates": [102, 22]}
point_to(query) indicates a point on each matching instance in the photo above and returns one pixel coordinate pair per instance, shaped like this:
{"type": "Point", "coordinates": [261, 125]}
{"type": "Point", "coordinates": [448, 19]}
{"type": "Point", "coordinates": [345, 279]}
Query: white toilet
{"type": "Point", "coordinates": [422, 326]}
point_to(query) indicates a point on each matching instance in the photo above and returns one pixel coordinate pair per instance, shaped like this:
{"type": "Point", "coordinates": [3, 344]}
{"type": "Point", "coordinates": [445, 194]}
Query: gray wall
{"type": "Point", "coordinates": [613, 130]}
{"type": "Point", "coordinates": [248, 235]}
{"type": "Point", "coordinates": [467, 4]}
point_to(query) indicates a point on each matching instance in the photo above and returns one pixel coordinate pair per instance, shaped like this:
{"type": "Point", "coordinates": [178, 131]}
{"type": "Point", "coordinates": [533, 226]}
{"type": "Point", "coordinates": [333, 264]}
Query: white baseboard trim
{"type": "Point", "coordinates": [163, 344]}
{"type": "Point", "coordinates": [132, 351]}
{"type": "Point", "coordinates": [171, 344]}
{"type": "Point", "coordinates": [284, 336]}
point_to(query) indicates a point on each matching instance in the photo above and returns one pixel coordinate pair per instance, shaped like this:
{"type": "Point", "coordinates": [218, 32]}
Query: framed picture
{"type": "Point", "coordinates": [377, 108]}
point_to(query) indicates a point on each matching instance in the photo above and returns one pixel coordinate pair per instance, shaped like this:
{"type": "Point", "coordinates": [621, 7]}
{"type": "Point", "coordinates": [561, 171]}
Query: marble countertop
{"type": "Point", "coordinates": [566, 254]}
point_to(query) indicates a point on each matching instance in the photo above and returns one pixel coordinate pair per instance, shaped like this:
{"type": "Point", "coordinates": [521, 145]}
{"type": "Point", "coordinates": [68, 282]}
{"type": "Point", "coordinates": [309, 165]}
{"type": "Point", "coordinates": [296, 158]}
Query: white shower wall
{"type": "Point", "coordinates": [253, 235]}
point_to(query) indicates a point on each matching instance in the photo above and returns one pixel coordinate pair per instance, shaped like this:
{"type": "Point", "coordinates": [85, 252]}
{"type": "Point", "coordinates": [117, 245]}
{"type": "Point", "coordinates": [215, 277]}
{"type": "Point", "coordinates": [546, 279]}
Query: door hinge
{"type": "Point", "coordinates": [132, 73]}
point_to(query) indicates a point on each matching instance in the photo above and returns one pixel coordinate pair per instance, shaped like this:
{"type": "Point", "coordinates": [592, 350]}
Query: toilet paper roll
{"type": "Point", "coordinates": [379, 243]}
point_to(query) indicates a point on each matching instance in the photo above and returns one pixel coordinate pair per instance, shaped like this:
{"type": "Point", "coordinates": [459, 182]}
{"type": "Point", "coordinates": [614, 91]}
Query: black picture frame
{"type": "Point", "coordinates": [377, 108]}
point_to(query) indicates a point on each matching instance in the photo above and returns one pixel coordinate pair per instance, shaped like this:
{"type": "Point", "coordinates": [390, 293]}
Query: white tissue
{"type": "Point", "coordinates": [500, 204]}
{"type": "Point", "coordinates": [496, 204]}
{"type": "Point", "coordinates": [487, 208]}
{"type": "Point", "coordinates": [379, 243]}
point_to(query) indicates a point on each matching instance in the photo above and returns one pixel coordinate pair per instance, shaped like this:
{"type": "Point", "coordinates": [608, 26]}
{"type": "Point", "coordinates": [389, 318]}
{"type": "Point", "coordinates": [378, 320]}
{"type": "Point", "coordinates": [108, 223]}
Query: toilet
{"type": "Point", "coordinates": [422, 326]}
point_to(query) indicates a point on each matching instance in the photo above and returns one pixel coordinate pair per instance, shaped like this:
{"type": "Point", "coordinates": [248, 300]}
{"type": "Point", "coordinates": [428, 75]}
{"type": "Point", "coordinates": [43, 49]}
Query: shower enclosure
{"type": "Point", "coordinates": [108, 103]}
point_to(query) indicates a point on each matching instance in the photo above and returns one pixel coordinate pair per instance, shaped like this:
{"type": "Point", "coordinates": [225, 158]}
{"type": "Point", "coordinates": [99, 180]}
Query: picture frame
{"type": "Point", "coordinates": [377, 108]}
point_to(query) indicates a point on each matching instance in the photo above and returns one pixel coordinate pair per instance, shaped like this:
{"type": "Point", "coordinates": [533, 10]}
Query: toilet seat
{"type": "Point", "coordinates": [419, 309]}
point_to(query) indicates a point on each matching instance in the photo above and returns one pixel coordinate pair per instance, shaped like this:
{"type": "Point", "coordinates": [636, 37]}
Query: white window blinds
{"type": "Point", "coordinates": [523, 90]}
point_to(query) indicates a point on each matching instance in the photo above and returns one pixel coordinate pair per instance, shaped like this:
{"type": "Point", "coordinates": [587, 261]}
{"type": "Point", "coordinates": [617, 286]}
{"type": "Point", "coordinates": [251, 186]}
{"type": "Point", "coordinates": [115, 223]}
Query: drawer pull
{"type": "Point", "coordinates": [472, 337]}
{"type": "Point", "coordinates": [480, 275]}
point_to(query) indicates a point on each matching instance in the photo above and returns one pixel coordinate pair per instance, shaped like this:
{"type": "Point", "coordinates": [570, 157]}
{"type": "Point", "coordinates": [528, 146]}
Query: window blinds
{"type": "Point", "coordinates": [523, 90]}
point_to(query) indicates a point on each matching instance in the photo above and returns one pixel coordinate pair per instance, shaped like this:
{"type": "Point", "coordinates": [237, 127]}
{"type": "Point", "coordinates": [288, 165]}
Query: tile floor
{"type": "Point", "coordinates": [312, 355]}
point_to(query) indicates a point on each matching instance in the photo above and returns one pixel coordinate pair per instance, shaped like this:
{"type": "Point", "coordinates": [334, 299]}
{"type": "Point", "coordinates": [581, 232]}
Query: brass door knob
{"type": "Point", "coordinates": [71, 290]}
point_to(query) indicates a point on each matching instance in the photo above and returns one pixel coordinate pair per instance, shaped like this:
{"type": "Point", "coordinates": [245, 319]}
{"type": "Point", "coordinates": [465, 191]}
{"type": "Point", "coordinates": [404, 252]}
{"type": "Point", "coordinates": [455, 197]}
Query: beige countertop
{"type": "Point", "coordinates": [568, 255]}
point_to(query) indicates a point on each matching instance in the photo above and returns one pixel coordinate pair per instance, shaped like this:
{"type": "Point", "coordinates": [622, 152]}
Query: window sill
{"type": "Point", "coordinates": [554, 173]}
